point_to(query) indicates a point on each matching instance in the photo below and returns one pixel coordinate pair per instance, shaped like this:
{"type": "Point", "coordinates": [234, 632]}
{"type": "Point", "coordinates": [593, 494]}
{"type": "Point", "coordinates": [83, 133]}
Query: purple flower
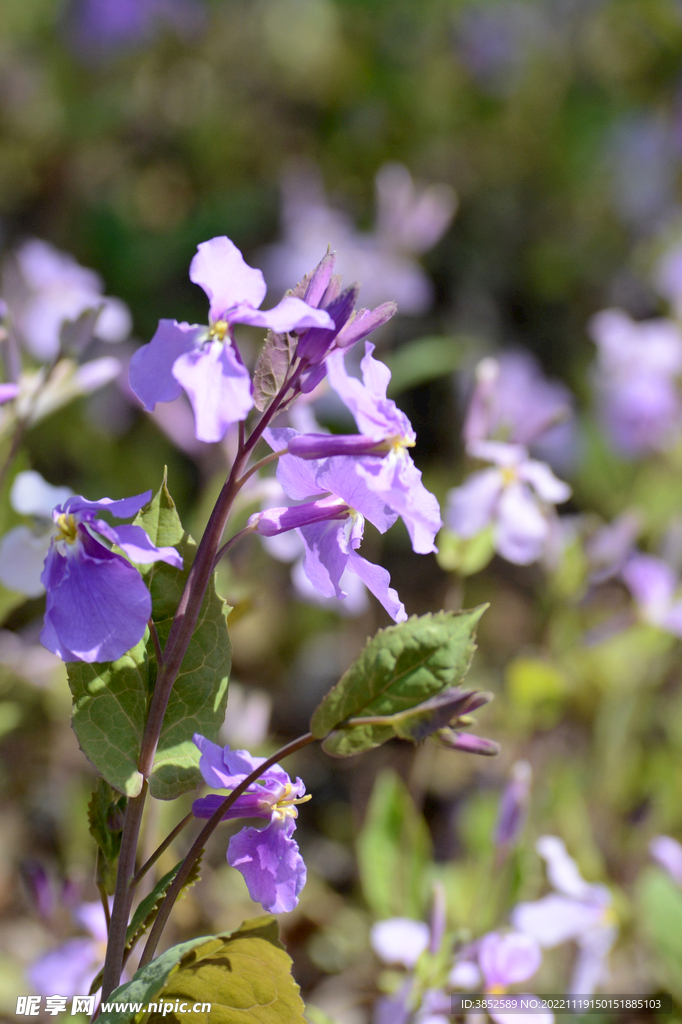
{"type": "Point", "coordinates": [610, 547]}
{"type": "Point", "coordinates": [97, 604]}
{"type": "Point", "coordinates": [48, 287]}
{"type": "Point", "coordinates": [513, 401]}
{"type": "Point", "coordinates": [71, 968]}
{"type": "Point", "coordinates": [380, 459]}
{"type": "Point", "coordinates": [268, 858]}
{"type": "Point", "coordinates": [511, 816]}
{"type": "Point", "coordinates": [400, 940]}
{"type": "Point", "coordinates": [517, 498]}
{"type": "Point", "coordinates": [104, 26]}
{"type": "Point", "coordinates": [332, 525]}
{"type": "Point", "coordinates": [668, 853]}
{"type": "Point", "coordinates": [638, 364]}
{"type": "Point", "coordinates": [204, 360]}
{"type": "Point", "coordinates": [576, 910]}
{"type": "Point", "coordinates": [653, 585]}
{"type": "Point", "coordinates": [8, 392]}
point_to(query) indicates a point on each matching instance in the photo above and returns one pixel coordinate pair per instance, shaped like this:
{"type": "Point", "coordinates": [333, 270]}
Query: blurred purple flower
{"type": "Point", "coordinates": [100, 27]}
{"type": "Point", "coordinates": [653, 585]}
{"type": "Point", "coordinates": [609, 547]}
{"type": "Point", "coordinates": [204, 361]}
{"type": "Point", "coordinates": [97, 603]}
{"type": "Point", "coordinates": [668, 276]}
{"type": "Point", "coordinates": [576, 910]}
{"type": "Point", "coordinates": [331, 526]}
{"type": "Point", "coordinates": [23, 549]}
{"type": "Point", "coordinates": [71, 968]}
{"type": "Point", "coordinates": [410, 220]}
{"type": "Point", "coordinates": [637, 367]}
{"type": "Point", "coordinates": [400, 940]}
{"type": "Point", "coordinates": [45, 288]}
{"type": "Point", "coordinates": [517, 498]}
{"type": "Point", "coordinates": [667, 852]}
{"type": "Point", "coordinates": [513, 809]}
{"type": "Point", "coordinates": [513, 401]}
{"type": "Point", "coordinates": [268, 858]}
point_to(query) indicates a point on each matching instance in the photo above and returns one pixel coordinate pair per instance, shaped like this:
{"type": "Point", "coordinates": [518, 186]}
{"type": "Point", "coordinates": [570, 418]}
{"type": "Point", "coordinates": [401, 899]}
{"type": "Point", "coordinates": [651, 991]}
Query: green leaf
{"type": "Point", "coordinates": [415, 724]}
{"type": "Point", "coordinates": [317, 1016]}
{"type": "Point", "coordinates": [145, 983]}
{"type": "Point", "coordinates": [110, 699]}
{"type": "Point", "coordinates": [659, 906]}
{"type": "Point", "coordinates": [425, 360]}
{"type": "Point", "coordinates": [465, 555]}
{"type": "Point", "coordinates": [109, 710]}
{"type": "Point", "coordinates": [394, 852]}
{"type": "Point", "coordinates": [199, 695]}
{"type": "Point", "coordinates": [271, 368]}
{"type": "Point", "coordinates": [401, 667]}
{"type": "Point", "coordinates": [245, 976]}
{"type": "Point", "coordinates": [105, 819]}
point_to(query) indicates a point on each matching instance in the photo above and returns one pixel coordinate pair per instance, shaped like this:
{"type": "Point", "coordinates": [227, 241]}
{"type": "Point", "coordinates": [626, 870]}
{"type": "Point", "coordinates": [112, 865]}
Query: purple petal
{"type": "Point", "coordinates": [96, 609]}
{"type": "Point", "coordinates": [508, 959]}
{"type": "Point", "coordinates": [471, 506]}
{"type": "Point", "coordinates": [137, 545]}
{"type": "Point", "coordinates": [590, 969]}
{"type": "Point", "coordinates": [271, 864]}
{"type": "Point", "coordinates": [668, 853]}
{"type": "Point", "coordinates": [555, 919]}
{"type": "Point", "coordinates": [564, 874]}
{"type": "Point", "coordinates": [279, 520]}
{"type": "Point", "coordinates": [218, 386]}
{"type": "Point", "coordinates": [324, 446]}
{"type": "Point", "coordinates": [68, 970]}
{"type": "Point", "coordinates": [314, 345]}
{"type": "Point", "coordinates": [248, 805]}
{"type": "Point", "coordinates": [651, 582]}
{"type": "Point", "coordinates": [220, 269]}
{"type": "Point", "coordinates": [352, 481]}
{"type": "Point", "coordinates": [8, 392]}
{"type": "Point", "coordinates": [151, 367]}
{"type": "Point", "coordinates": [397, 481]}
{"type": "Point", "coordinates": [521, 530]}
{"type": "Point", "coordinates": [363, 323]}
{"type": "Point", "coordinates": [90, 916]}
{"type": "Point", "coordinates": [543, 481]}
{"type": "Point", "coordinates": [319, 280]}
{"type": "Point", "coordinates": [291, 314]}
{"type": "Point", "coordinates": [296, 476]}
{"type": "Point", "coordinates": [224, 768]}
{"type": "Point", "coordinates": [122, 508]}
{"type": "Point", "coordinates": [376, 415]}
{"type": "Point", "coordinates": [326, 555]}
{"type": "Point", "coordinates": [378, 580]}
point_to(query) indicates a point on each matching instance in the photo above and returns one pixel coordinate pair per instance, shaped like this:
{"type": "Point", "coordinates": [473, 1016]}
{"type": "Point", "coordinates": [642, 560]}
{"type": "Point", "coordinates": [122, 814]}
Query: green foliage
{"type": "Point", "coordinates": [110, 699]}
{"type": "Point", "coordinates": [398, 669]}
{"type": "Point", "coordinates": [105, 820]}
{"type": "Point", "coordinates": [394, 852]}
{"type": "Point", "coordinates": [465, 555]}
{"type": "Point", "coordinates": [271, 368]}
{"type": "Point", "coordinates": [424, 360]}
{"type": "Point", "coordinates": [245, 976]}
{"type": "Point", "coordinates": [659, 905]}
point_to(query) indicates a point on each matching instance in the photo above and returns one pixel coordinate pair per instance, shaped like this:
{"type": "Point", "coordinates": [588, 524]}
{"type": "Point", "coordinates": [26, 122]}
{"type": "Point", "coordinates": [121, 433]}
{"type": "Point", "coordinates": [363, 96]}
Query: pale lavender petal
{"type": "Point", "coordinates": [508, 959]}
{"type": "Point", "coordinates": [291, 314]}
{"type": "Point", "coordinates": [354, 603]}
{"type": "Point", "coordinates": [96, 610]}
{"type": "Point", "coordinates": [224, 768]}
{"type": "Point", "coordinates": [513, 808]}
{"type": "Point", "coordinates": [399, 940]}
{"type": "Point", "coordinates": [555, 919]}
{"type": "Point", "coordinates": [326, 556]}
{"type": "Point", "coordinates": [521, 530]}
{"type": "Point", "coordinates": [590, 968]}
{"type": "Point", "coordinates": [151, 367]}
{"type": "Point", "coordinates": [543, 481]}
{"type": "Point", "coordinates": [314, 345]}
{"type": "Point", "coordinates": [218, 386]}
{"type": "Point", "coordinates": [352, 481]}
{"type": "Point", "coordinates": [319, 280]}
{"type": "Point", "coordinates": [278, 520]}
{"type": "Point", "coordinates": [324, 446]}
{"type": "Point", "coordinates": [652, 583]}
{"type": "Point", "coordinates": [138, 547]}
{"type": "Point", "coordinates": [564, 874]}
{"type": "Point", "coordinates": [220, 269]}
{"type": "Point", "coordinates": [31, 495]}
{"type": "Point", "coordinates": [90, 916]}
{"type": "Point", "coordinates": [376, 415]}
{"type": "Point", "coordinates": [672, 620]}
{"type": "Point", "coordinates": [272, 866]}
{"type": "Point", "coordinates": [122, 508]}
{"type": "Point", "coordinates": [377, 580]}
{"type": "Point", "coordinates": [499, 452]}
{"type": "Point", "coordinates": [68, 970]}
{"type": "Point", "coordinates": [8, 392]}
{"type": "Point", "coordinates": [363, 323]}
{"type": "Point", "coordinates": [398, 482]}
{"type": "Point", "coordinates": [472, 505]}
{"type": "Point", "coordinates": [668, 853]}
{"type": "Point", "coordinates": [296, 476]}
{"type": "Point", "coordinates": [465, 975]}
{"type": "Point", "coordinates": [22, 556]}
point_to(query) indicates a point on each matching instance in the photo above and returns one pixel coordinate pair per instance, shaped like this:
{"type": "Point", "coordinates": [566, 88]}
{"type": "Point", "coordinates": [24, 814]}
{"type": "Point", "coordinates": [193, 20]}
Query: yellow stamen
{"type": "Point", "coordinates": [67, 528]}
{"type": "Point", "coordinates": [496, 990]}
{"type": "Point", "coordinates": [508, 475]}
{"type": "Point", "coordinates": [286, 805]}
{"type": "Point", "coordinates": [218, 330]}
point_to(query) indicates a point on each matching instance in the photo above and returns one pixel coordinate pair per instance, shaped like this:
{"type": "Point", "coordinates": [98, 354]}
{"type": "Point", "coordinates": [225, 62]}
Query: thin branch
{"type": "Point", "coordinates": [231, 542]}
{"type": "Point", "coordinates": [259, 465]}
{"type": "Point", "coordinates": [156, 642]}
{"type": "Point", "coordinates": [161, 849]}
{"type": "Point", "coordinates": [199, 843]}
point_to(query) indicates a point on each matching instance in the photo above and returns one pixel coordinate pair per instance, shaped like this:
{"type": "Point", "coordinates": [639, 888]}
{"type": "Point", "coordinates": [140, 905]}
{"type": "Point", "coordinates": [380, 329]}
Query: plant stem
{"type": "Point", "coordinates": [156, 642]}
{"type": "Point", "coordinates": [231, 542]}
{"type": "Point", "coordinates": [162, 848]}
{"type": "Point", "coordinates": [262, 462]}
{"type": "Point", "coordinates": [199, 843]}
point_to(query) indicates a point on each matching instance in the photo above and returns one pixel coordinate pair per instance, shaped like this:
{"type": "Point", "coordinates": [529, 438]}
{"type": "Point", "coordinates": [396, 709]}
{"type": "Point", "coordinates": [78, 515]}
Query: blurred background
{"type": "Point", "coordinates": [504, 170]}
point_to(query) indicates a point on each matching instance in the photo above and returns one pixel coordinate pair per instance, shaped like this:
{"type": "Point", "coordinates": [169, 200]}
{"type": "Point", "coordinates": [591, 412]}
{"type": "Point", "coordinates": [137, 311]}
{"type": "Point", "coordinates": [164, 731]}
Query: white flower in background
{"type": "Point", "coordinates": [23, 549]}
{"type": "Point", "coordinates": [247, 718]}
{"type": "Point", "coordinates": [400, 940]}
{"type": "Point", "coordinates": [575, 910]}
{"type": "Point", "coordinates": [45, 288]}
